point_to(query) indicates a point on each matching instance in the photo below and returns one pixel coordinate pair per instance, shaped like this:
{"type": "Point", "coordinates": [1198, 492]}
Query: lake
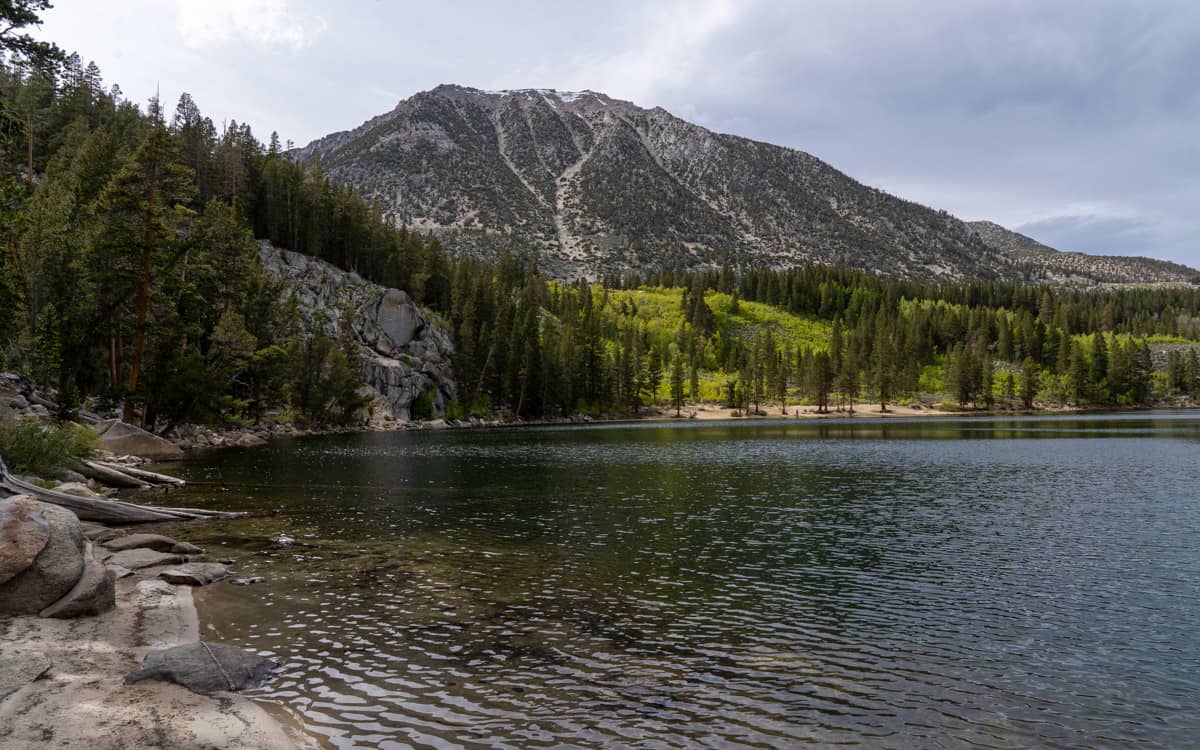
{"type": "Point", "coordinates": [940, 582]}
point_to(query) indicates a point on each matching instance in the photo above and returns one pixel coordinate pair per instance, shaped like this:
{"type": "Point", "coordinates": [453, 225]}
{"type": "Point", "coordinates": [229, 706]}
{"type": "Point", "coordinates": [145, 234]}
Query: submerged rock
{"type": "Point", "coordinates": [248, 581]}
{"type": "Point", "coordinates": [205, 668]}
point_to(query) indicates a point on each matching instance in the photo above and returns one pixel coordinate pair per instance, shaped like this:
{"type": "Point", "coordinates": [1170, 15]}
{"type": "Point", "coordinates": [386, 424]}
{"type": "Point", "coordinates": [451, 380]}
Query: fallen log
{"type": "Point", "coordinates": [110, 476]}
{"type": "Point", "coordinates": [102, 510]}
{"type": "Point", "coordinates": [142, 474]}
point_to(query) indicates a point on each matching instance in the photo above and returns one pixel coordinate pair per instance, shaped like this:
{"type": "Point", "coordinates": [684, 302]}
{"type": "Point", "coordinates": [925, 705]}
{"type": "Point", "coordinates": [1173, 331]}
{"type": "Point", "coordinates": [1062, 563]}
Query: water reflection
{"type": "Point", "coordinates": [880, 583]}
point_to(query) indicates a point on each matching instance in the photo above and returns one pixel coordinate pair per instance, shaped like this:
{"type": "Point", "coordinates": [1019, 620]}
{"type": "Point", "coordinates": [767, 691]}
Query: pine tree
{"type": "Point", "coordinates": [1029, 381]}
{"type": "Point", "coordinates": [138, 235]}
{"type": "Point", "coordinates": [677, 382]}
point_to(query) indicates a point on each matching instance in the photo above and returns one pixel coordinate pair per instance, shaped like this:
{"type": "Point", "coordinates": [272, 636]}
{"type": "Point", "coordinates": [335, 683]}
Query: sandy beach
{"type": "Point", "coordinates": [709, 412]}
{"type": "Point", "coordinates": [82, 701]}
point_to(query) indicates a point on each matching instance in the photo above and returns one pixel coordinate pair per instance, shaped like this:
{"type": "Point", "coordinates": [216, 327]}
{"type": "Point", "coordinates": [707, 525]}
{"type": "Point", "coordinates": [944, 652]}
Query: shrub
{"type": "Point", "coordinates": [422, 407]}
{"type": "Point", "coordinates": [35, 448]}
{"type": "Point", "coordinates": [455, 410]}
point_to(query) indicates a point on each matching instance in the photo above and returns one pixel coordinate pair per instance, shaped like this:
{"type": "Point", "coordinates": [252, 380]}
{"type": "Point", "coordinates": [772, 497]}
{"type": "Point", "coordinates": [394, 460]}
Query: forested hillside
{"type": "Point", "coordinates": [131, 278]}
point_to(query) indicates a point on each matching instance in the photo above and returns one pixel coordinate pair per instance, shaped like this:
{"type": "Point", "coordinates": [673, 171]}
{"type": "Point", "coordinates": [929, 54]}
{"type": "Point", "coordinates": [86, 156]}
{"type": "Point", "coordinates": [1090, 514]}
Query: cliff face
{"type": "Point", "coordinates": [404, 352]}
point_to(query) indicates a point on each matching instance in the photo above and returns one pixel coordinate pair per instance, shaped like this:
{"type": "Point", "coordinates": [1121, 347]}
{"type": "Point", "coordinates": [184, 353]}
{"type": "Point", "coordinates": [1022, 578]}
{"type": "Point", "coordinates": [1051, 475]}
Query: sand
{"type": "Point", "coordinates": [82, 701]}
{"type": "Point", "coordinates": [708, 412]}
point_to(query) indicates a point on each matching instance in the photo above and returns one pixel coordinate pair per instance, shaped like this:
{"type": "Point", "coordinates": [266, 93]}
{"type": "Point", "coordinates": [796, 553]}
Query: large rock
{"type": "Point", "coordinates": [204, 667]}
{"type": "Point", "coordinates": [389, 322]}
{"type": "Point", "coordinates": [120, 437]}
{"type": "Point", "coordinates": [24, 532]}
{"type": "Point", "coordinates": [136, 559]}
{"type": "Point", "coordinates": [245, 440]}
{"type": "Point", "coordinates": [78, 489]}
{"type": "Point", "coordinates": [195, 574]}
{"type": "Point", "coordinates": [94, 593]}
{"type": "Point", "coordinates": [156, 542]}
{"type": "Point", "coordinates": [19, 668]}
{"type": "Point", "coordinates": [53, 571]}
{"type": "Point", "coordinates": [404, 354]}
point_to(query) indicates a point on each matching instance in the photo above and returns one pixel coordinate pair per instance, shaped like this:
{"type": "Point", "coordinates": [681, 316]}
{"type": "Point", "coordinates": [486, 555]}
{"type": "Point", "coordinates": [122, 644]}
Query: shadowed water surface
{"type": "Point", "coordinates": [899, 584]}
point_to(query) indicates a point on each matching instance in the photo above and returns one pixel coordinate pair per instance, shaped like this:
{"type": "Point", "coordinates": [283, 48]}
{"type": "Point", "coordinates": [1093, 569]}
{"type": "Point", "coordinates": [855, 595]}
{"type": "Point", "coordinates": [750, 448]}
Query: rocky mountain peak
{"type": "Point", "coordinates": [593, 185]}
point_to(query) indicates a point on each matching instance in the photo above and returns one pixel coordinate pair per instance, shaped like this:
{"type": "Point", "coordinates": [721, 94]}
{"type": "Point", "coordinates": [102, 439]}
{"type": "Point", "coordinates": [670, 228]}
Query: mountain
{"type": "Point", "coordinates": [1041, 262]}
{"type": "Point", "coordinates": [594, 186]}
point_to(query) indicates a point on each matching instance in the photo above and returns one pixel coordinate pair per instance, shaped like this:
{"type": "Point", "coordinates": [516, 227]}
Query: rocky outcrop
{"type": "Point", "coordinates": [125, 439]}
{"type": "Point", "coordinates": [405, 352]}
{"type": "Point", "coordinates": [53, 570]}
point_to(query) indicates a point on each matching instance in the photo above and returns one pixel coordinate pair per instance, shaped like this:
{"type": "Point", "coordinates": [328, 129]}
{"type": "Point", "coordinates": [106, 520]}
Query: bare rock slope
{"type": "Point", "coordinates": [405, 353]}
{"type": "Point", "coordinates": [593, 185]}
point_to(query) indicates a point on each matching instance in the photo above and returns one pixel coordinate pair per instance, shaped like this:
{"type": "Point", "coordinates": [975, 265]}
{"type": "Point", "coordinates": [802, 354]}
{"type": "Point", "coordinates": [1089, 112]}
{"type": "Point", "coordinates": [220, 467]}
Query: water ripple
{"type": "Point", "coordinates": [965, 583]}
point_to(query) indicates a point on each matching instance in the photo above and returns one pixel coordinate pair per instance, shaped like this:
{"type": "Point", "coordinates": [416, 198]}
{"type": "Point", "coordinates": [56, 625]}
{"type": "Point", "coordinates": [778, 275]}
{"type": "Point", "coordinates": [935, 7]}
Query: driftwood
{"type": "Point", "coordinates": [101, 509]}
{"type": "Point", "coordinates": [109, 475]}
{"type": "Point", "coordinates": [142, 474]}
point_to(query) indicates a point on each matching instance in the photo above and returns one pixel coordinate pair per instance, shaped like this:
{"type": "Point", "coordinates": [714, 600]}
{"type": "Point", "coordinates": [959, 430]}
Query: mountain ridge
{"type": "Point", "coordinates": [593, 185]}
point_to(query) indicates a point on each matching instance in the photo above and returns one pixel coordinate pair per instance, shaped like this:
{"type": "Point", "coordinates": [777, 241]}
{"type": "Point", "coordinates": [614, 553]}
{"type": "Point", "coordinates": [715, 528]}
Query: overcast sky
{"type": "Point", "coordinates": [1076, 122]}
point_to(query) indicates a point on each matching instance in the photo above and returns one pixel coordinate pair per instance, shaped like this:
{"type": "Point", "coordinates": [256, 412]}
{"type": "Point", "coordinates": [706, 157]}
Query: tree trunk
{"type": "Point", "coordinates": [139, 338]}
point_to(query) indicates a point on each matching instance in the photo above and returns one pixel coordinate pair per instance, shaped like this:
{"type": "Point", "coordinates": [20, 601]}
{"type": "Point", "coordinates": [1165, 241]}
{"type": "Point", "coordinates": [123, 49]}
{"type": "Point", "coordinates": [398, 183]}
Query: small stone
{"type": "Point", "coordinates": [248, 581]}
{"type": "Point", "coordinates": [187, 548]}
{"type": "Point", "coordinates": [246, 440]}
{"type": "Point", "coordinates": [151, 592]}
{"type": "Point", "coordinates": [78, 489]}
{"type": "Point", "coordinates": [101, 537]}
{"type": "Point", "coordinates": [156, 542]}
{"type": "Point", "coordinates": [136, 559]}
{"type": "Point", "coordinates": [195, 574]}
{"type": "Point", "coordinates": [120, 572]}
{"type": "Point", "coordinates": [283, 540]}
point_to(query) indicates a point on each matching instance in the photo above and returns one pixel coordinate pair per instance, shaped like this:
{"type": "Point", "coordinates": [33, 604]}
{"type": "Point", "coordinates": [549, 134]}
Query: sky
{"type": "Point", "coordinates": [1076, 122]}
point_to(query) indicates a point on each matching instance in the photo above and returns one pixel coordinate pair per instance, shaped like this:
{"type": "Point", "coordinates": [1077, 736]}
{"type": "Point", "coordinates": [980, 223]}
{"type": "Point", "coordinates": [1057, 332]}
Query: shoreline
{"type": "Point", "coordinates": [234, 437]}
{"type": "Point", "coordinates": [82, 701]}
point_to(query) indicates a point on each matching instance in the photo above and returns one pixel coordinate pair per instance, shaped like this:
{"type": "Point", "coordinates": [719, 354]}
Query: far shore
{"type": "Point", "coordinates": [691, 412]}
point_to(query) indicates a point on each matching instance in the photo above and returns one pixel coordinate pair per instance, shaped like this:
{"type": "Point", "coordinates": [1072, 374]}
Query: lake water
{"type": "Point", "coordinates": [999, 583]}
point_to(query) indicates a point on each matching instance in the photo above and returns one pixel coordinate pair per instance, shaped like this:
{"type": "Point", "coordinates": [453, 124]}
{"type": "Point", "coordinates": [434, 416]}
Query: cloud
{"type": "Point", "coordinates": [261, 23]}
